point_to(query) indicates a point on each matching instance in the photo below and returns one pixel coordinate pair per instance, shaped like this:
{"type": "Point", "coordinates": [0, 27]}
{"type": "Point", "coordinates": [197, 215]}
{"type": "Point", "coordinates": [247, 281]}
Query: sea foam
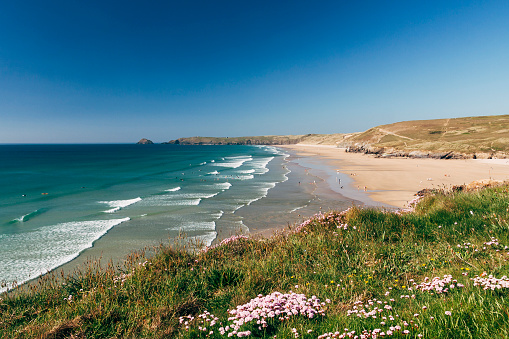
{"type": "Point", "coordinates": [173, 189]}
{"type": "Point", "coordinates": [222, 185]}
{"type": "Point", "coordinates": [49, 247]}
{"type": "Point", "coordinates": [233, 162]}
{"type": "Point", "coordinates": [119, 204]}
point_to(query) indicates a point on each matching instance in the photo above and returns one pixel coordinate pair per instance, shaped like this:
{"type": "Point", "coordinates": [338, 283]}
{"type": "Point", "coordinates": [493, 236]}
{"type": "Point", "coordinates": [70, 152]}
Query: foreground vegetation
{"type": "Point", "coordinates": [436, 272]}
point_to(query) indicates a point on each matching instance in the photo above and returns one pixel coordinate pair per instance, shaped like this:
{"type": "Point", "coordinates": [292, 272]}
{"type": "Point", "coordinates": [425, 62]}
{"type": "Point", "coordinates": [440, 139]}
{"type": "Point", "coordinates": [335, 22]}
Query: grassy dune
{"type": "Point", "coordinates": [487, 134]}
{"type": "Point", "coordinates": [436, 272]}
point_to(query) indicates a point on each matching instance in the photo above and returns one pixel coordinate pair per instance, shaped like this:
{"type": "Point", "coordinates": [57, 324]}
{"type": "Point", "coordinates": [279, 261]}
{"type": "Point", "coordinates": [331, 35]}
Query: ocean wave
{"type": "Point", "coordinates": [260, 165]}
{"type": "Point", "coordinates": [276, 151]}
{"type": "Point", "coordinates": [222, 185]}
{"type": "Point", "coordinates": [213, 173]}
{"type": "Point", "coordinates": [53, 245]}
{"type": "Point", "coordinates": [247, 171]}
{"type": "Point", "coordinates": [233, 162]}
{"type": "Point", "coordinates": [173, 189]}
{"type": "Point", "coordinates": [243, 177]}
{"type": "Point", "coordinates": [296, 209]}
{"type": "Point", "coordinates": [177, 202]}
{"type": "Point", "coordinates": [178, 199]}
{"type": "Point", "coordinates": [119, 204]}
{"type": "Point", "coordinates": [28, 216]}
{"type": "Point", "coordinates": [194, 226]}
{"type": "Point", "coordinates": [217, 215]}
{"type": "Point", "coordinates": [193, 195]}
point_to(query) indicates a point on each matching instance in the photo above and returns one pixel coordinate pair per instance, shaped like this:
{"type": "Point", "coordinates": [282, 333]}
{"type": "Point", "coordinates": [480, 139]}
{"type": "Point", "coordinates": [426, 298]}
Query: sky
{"type": "Point", "coordinates": [118, 71]}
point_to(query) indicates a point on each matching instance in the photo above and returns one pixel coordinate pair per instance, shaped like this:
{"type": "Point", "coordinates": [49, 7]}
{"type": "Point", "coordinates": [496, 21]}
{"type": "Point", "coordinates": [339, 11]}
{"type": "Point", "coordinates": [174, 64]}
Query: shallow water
{"type": "Point", "coordinates": [56, 201]}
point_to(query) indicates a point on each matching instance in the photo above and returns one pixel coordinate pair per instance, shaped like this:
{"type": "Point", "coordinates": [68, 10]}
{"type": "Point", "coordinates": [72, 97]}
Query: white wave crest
{"type": "Point", "coordinates": [222, 185]}
{"type": "Point", "coordinates": [193, 195]}
{"type": "Point", "coordinates": [244, 177]}
{"type": "Point", "coordinates": [177, 202]}
{"type": "Point", "coordinates": [119, 204]}
{"type": "Point", "coordinates": [234, 162]}
{"type": "Point", "coordinates": [260, 165]}
{"type": "Point", "coordinates": [217, 215]}
{"type": "Point", "coordinates": [53, 245]}
{"type": "Point", "coordinates": [173, 189]}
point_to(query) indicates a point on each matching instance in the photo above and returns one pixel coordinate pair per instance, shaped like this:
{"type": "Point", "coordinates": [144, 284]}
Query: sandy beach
{"type": "Point", "coordinates": [394, 181]}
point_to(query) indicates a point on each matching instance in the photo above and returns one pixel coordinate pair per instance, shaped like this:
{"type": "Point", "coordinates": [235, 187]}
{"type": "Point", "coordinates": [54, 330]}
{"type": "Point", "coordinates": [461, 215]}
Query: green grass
{"type": "Point", "coordinates": [380, 255]}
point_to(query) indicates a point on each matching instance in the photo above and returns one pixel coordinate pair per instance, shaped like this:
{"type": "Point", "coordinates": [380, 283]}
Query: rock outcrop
{"type": "Point", "coordinates": [145, 142]}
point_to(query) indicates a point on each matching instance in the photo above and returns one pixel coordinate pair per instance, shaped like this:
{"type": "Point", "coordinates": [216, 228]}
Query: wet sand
{"type": "Point", "coordinates": [308, 190]}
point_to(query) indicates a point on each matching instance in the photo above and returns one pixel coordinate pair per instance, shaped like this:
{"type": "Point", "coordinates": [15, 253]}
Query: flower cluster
{"type": "Point", "coordinates": [205, 319]}
{"type": "Point", "coordinates": [466, 246]}
{"type": "Point", "coordinates": [365, 334]}
{"type": "Point", "coordinates": [325, 218]}
{"type": "Point", "coordinates": [493, 241]}
{"type": "Point", "coordinates": [490, 282]}
{"type": "Point", "coordinates": [376, 310]}
{"type": "Point", "coordinates": [410, 205]}
{"type": "Point", "coordinates": [226, 241]}
{"type": "Point", "coordinates": [121, 279]}
{"type": "Point", "coordinates": [258, 312]}
{"type": "Point", "coordinates": [277, 306]}
{"type": "Point", "coordinates": [438, 285]}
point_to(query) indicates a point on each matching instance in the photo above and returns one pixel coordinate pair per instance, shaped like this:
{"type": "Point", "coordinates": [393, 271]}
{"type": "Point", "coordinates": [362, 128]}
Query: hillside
{"type": "Point", "coordinates": [484, 137]}
{"type": "Point", "coordinates": [325, 139]}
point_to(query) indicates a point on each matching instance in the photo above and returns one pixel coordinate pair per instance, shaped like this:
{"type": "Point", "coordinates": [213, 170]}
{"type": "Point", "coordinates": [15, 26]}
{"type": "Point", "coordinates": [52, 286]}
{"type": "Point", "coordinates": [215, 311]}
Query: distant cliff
{"type": "Point", "coordinates": [460, 138]}
{"type": "Point", "coordinates": [260, 140]}
{"type": "Point", "coordinates": [145, 142]}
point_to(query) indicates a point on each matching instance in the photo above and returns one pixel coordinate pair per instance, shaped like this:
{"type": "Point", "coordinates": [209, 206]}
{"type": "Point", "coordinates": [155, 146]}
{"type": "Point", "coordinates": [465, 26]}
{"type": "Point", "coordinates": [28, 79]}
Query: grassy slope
{"type": "Point", "coordinates": [469, 135]}
{"type": "Point", "coordinates": [486, 134]}
{"type": "Point", "coordinates": [357, 256]}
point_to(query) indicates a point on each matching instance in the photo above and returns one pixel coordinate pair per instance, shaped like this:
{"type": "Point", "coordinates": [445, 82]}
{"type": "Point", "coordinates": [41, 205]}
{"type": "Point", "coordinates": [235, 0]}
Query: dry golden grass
{"type": "Point", "coordinates": [485, 136]}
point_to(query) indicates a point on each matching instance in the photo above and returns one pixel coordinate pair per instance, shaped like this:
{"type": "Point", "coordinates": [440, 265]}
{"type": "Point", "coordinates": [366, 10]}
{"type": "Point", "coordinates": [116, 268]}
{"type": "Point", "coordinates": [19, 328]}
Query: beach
{"type": "Point", "coordinates": [395, 181]}
{"type": "Point", "coordinates": [257, 195]}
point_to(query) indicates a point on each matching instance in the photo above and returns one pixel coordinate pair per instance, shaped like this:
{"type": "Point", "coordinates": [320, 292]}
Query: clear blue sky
{"type": "Point", "coordinates": [117, 71]}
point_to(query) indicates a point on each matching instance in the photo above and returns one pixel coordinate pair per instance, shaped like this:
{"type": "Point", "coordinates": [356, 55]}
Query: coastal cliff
{"type": "Point", "coordinates": [484, 137]}
{"type": "Point", "coordinates": [259, 140]}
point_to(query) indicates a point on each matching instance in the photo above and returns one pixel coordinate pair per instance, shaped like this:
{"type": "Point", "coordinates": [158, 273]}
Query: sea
{"type": "Point", "coordinates": [58, 201]}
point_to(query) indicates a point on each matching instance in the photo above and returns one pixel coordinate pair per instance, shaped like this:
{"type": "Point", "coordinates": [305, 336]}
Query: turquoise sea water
{"type": "Point", "coordinates": [56, 200]}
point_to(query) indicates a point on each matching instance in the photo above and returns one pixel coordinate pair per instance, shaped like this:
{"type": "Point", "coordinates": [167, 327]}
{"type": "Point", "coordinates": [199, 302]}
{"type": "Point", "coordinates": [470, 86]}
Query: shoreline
{"type": "Point", "coordinates": [324, 177]}
{"type": "Point", "coordinates": [395, 181]}
{"type": "Point", "coordinates": [306, 192]}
